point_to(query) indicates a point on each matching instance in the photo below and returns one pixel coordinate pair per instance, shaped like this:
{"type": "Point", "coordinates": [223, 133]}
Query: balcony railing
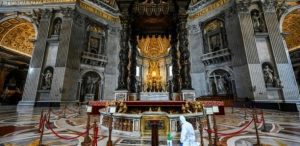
{"type": "Point", "coordinates": [93, 59]}
{"type": "Point", "coordinates": [33, 2]}
{"type": "Point", "coordinates": [216, 57]}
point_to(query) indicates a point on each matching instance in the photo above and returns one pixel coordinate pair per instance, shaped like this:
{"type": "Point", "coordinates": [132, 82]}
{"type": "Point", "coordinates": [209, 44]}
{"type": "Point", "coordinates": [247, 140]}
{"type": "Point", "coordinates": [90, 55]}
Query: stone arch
{"type": "Point", "coordinates": [220, 81]}
{"type": "Point", "coordinates": [91, 85]}
{"type": "Point", "coordinates": [17, 33]}
{"type": "Point", "coordinates": [291, 28]}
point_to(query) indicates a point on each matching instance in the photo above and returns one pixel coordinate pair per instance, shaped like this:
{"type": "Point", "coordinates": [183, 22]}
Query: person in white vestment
{"type": "Point", "coordinates": [187, 136]}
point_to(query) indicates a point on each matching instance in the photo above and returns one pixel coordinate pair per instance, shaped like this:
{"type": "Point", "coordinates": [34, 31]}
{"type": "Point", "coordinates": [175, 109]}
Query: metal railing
{"type": "Point", "coordinates": [33, 2]}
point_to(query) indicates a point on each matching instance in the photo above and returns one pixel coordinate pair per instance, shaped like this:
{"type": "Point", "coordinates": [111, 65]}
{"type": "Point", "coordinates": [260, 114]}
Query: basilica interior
{"type": "Point", "coordinates": [122, 72]}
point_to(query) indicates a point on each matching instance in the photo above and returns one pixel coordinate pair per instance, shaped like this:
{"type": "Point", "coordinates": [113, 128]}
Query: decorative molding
{"type": "Point", "coordinates": [209, 8]}
{"type": "Point", "coordinates": [243, 5]}
{"type": "Point", "coordinates": [46, 13]}
{"type": "Point", "coordinates": [98, 12]}
{"type": "Point", "coordinates": [269, 5]}
{"type": "Point", "coordinates": [193, 28]}
{"type": "Point", "coordinates": [67, 12]}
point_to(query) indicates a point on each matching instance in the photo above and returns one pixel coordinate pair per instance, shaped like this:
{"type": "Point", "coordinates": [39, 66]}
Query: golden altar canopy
{"type": "Point", "coordinates": [154, 47]}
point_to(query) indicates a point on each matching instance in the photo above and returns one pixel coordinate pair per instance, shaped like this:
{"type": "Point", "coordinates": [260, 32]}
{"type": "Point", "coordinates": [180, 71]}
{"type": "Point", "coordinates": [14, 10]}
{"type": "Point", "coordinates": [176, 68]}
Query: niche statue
{"type": "Point", "coordinates": [57, 27]}
{"type": "Point", "coordinates": [47, 79]}
{"type": "Point", "coordinates": [257, 21]}
{"type": "Point", "coordinates": [268, 75]}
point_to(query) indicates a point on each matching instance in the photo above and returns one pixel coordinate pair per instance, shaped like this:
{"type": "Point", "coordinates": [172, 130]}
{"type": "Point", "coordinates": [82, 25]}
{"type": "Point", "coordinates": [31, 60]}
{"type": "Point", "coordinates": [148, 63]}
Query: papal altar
{"type": "Point", "coordinates": [135, 117]}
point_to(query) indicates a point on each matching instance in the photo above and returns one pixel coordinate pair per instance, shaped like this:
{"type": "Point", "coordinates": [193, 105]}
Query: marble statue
{"type": "Point", "coordinates": [57, 27]}
{"type": "Point", "coordinates": [258, 24]}
{"type": "Point", "coordinates": [47, 79]}
{"type": "Point", "coordinates": [268, 74]}
{"type": "Point", "coordinates": [91, 83]}
{"type": "Point", "coordinates": [221, 85]}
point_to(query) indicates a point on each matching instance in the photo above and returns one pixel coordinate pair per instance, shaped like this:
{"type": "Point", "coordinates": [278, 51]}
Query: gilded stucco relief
{"type": "Point", "coordinates": [17, 34]}
{"type": "Point", "coordinates": [291, 26]}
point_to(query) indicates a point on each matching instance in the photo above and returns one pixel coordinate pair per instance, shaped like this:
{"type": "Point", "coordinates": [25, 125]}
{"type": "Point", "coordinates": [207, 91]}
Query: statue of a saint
{"type": "Point", "coordinates": [48, 79]}
{"type": "Point", "coordinates": [89, 84]}
{"type": "Point", "coordinates": [221, 85]}
{"type": "Point", "coordinates": [57, 27]}
{"type": "Point", "coordinates": [257, 21]}
{"type": "Point", "coordinates": [268, 74]}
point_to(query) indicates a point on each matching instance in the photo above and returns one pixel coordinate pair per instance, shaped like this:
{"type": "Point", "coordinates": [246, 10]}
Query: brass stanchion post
{"type": "Point", "coordinates": [87, 140]}
{"type": "Point", "coordinates": [201, 131]}
{"type": "Point", "coordinates": [64, 111]}
{"type": "Point", "coordinates": [264, 122]}
{"type": "Point", "coordinates": [44, 119]}
{"type": "Point", "coordinates": [245, 112]}
{"type": "Point", "coordinates": [208, 131]}
{"type": "Point", "coordinates": [41, 120]}
{"type": "Point", "coordinates": [255, 126]}
{"type": "Point", "coordinates": [216, 130]}
{"type": "Point", "coordinates": [109, 141]}
{"type": "Point", "coordinates": [79, 107]}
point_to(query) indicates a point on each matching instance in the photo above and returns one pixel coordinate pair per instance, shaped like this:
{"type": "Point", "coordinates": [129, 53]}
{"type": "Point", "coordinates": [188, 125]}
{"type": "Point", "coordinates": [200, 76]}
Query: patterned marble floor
{"type": "Point", "coordinates": [21, 128]}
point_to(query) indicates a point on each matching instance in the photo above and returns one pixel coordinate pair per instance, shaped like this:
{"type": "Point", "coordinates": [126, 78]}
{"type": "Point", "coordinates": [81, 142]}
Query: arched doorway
{"type": "Point", "coordinates": [90, 86]}
{"type": "Point", "coordinates": [17, 33]}
{"type": "Point", "coordinates": [221, 83]}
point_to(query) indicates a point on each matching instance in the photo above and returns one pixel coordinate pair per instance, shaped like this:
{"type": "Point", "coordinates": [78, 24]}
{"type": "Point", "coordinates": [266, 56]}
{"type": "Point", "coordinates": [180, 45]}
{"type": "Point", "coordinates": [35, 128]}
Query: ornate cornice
{"type": "Point", "coordinates": [46, 13]}
{"type": "Point", "coordinates": [92, 9]}
{"type": "Point", "coordinates": [209, 8]}
{"type": "Point", "coordinates": [269, 5]}
{"type": "Point", "coordinates": [67, 12]}
{"type": "Point", "coordinates": [243, 5]}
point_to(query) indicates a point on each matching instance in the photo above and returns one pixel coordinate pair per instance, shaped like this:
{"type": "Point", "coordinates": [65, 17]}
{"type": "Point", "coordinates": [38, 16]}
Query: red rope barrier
{"type": "Point", "coordinates": [233, 133]}
{"type": "Point", "coordinates": [65, 138]}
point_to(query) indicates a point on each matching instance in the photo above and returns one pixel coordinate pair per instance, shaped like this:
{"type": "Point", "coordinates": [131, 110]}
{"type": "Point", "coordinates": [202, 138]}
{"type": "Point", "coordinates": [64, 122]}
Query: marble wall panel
{"type": "Point", "coordinates": [31, 85]}
{"type": "Point", "coordinates": [199, 84]}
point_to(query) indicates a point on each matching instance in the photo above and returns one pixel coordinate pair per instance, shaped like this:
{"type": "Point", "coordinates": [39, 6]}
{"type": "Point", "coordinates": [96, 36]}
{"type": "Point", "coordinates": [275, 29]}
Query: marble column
{"type": "Point", "coordinates": [133, 64]}
{"type": "Point", "coordinates": [175, 65]}
{"type": "Point", "coordinates": [186, 83]}
{"type": "Point", "coordinates": [36, 63]}
{"type": "Point", "coordinates": [123, 55]}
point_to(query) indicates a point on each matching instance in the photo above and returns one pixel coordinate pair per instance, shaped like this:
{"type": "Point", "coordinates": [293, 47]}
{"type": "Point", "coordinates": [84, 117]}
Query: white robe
{"type": "Point", "coordinates": [187, 136]}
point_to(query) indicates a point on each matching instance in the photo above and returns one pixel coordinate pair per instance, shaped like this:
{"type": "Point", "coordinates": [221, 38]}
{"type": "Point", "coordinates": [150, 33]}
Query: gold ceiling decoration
{"type": "Point", "coordinates": [291, 26]}
{"type": "Point", "coordinates": [154, 47]}
{"type": "Point", "coordinates": [16, 34]}
{"type": "Point", "coordinates": [293, 3]}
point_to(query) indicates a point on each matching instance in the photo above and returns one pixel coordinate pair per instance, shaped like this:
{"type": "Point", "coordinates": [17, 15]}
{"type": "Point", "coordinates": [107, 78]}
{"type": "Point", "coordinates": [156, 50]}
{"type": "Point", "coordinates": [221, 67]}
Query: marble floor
{"type": "Point", "coordinates": [21, 128]}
